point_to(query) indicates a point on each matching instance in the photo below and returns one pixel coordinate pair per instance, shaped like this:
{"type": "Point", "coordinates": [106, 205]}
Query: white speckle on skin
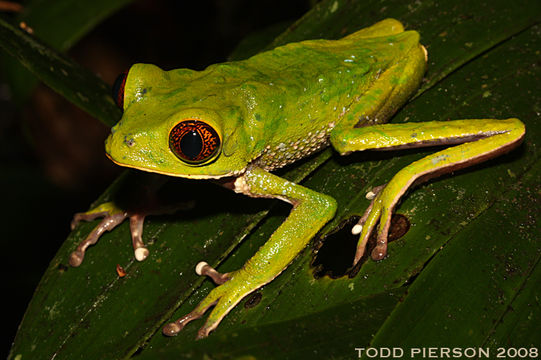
{"type": "Point", "coordinates": [139, 95]}
{"type": "Point", "coordinates": [439, 158]}
{"type": "Point", "coordinates": [334, 7]}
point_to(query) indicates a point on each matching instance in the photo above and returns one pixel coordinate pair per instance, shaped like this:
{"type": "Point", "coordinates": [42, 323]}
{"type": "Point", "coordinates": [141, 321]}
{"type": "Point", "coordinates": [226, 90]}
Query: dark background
{"type": "Point", "coordinates": [51, 153]}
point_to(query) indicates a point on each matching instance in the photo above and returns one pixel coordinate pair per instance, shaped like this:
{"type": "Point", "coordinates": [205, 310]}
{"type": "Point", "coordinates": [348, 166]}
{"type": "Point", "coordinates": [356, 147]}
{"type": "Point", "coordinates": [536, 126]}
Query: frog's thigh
{"type": "Point", "coordinates": [479, 140]}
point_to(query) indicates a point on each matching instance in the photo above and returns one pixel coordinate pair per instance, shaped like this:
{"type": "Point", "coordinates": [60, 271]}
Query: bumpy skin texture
{"type": "Point", "coordinates": [280, 106]}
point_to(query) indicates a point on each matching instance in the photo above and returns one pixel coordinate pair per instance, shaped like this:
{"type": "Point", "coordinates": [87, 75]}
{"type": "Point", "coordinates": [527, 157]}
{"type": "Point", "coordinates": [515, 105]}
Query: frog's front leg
{"type": "Point", "coordinates": [311, 210]}
{"type": "Point", "coordinates": [479, 140]}
{"type": "Point", "coordinates": [113, 215]}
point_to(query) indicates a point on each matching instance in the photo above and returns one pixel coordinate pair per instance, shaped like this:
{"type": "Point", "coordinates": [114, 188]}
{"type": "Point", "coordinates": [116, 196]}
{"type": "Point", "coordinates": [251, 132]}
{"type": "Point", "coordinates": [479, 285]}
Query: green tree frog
{"type": "Point", "coordinates": [236, 122]}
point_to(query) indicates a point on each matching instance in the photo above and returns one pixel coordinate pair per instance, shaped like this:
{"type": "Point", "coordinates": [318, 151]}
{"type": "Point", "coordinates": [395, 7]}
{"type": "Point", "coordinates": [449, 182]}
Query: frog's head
{"type": "Point", "coordinates": [169, 131]}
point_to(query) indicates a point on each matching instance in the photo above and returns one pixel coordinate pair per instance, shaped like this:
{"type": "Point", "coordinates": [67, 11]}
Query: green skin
{"type": "Point", "coordinates": [280, 106]}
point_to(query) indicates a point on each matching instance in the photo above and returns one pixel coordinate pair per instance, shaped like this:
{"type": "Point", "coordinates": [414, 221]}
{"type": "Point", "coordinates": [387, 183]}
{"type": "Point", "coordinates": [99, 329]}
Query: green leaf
{"type": "Point", "coordinates": [465, 274]}
{"type": "Point", "coordinates": [63, 75]}
{"type": "Point", "coordinates": [59, 24]}
{"type": "Point", "coordinates": [78, 18]}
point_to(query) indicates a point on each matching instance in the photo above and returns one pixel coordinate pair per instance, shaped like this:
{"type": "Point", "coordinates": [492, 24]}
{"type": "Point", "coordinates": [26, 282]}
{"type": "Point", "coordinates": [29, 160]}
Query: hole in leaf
{"type": "Point", "coordinates": [334, 251]}
{"type": "Point", "coordinates": [253, 300]}
{"type": "Point", "coordinates": [400, 225]}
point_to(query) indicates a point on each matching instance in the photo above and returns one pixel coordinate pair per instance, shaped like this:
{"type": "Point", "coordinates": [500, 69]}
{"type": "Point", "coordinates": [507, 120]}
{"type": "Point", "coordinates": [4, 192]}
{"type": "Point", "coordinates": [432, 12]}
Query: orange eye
{"type": "Point", "coordinates": [118, 89]}
{"type": "Point", "coordinates": [193, 141]}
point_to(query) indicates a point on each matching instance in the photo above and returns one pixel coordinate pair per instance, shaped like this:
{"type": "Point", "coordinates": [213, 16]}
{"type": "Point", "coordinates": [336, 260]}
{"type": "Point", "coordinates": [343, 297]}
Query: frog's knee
{"type": "Point", "coordinates": [329, 206]}
{"type": "Point", "coordinates": [339, 142]}
{"type": "Point", "coordinates": [518, 126]}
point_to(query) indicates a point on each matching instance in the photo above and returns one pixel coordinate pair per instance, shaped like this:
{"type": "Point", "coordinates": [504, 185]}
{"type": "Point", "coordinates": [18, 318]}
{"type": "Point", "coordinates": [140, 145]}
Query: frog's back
{"type": "Point", "coordinates": [305, 88]}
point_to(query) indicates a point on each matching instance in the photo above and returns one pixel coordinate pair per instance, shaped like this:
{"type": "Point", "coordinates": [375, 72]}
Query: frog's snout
{"type": "Point", "coordinates": [116, 142]}
{"type": "Point", "coordinates": [108, 145]}
{"type": "Point", "coordinates": [114, 145]}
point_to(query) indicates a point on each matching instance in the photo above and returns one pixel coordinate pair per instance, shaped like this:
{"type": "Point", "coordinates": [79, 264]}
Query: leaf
{"type": "Point", "coordinates": [79, 18]}
{"type": "Point", "coordinates": [472, 251]}
{"type": "Point", "coordinates": [63, 75]}
{"type": "Point", "coordinates": [59, 24]}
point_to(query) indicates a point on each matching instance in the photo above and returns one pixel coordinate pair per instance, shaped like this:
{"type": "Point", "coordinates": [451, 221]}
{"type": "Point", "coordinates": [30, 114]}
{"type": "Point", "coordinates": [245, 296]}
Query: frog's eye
{"type": "Point", "coordinates": [194, 141]}
{"type": "Point", "coordinates": [118, 89]}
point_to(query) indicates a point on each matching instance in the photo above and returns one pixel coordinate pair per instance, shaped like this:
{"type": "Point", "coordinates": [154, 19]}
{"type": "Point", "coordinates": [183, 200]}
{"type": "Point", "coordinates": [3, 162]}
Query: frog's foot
{"type": "Point", "coordinates": [379, 210]}
{"type": "Point", "coordinates": [232, 289]}
{"type": "Point", "coordinates": [112, 216]}
{"type": "Point", "coordinates": [204, 269]}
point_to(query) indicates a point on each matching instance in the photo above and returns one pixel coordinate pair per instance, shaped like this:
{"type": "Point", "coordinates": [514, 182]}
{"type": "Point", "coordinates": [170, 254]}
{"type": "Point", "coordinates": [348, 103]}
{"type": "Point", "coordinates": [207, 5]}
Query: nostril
{"type": "Point", "coordinates": [129, 141]}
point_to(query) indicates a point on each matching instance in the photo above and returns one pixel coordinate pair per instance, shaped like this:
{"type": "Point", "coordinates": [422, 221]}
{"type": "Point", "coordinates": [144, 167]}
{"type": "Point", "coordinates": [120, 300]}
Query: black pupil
{"type": "Point", "coordinates": [191, 144]}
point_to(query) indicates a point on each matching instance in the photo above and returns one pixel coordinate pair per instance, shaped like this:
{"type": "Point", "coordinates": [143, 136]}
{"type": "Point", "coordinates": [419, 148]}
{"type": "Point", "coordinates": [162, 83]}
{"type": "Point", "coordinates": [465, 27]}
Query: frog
{"type": "Point", "coordinates": [236, 123]}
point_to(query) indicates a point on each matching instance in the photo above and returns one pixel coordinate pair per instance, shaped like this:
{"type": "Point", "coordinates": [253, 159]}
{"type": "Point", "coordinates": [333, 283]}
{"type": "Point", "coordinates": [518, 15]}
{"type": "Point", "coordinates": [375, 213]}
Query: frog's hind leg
{"type": "Point", "coordinates": [478, 140]}
{"type": "Point", "coordinates": [310, 211]}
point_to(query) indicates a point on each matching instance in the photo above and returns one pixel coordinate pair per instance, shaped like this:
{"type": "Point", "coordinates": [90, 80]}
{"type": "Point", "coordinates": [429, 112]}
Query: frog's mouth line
{"type": "Point", "coordinates": [187, 176]}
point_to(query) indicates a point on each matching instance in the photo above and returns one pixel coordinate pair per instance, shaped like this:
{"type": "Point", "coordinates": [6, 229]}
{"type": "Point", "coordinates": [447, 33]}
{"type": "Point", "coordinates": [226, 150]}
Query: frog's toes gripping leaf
{"type": "Point", "coordinates": [204, 269]}
{"type": "Point", "coordinates": [233, 287]}
{"type": "Point", "coordinates": [112, 217]}
{"type": "Point", "coordinates": [380, 209]}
